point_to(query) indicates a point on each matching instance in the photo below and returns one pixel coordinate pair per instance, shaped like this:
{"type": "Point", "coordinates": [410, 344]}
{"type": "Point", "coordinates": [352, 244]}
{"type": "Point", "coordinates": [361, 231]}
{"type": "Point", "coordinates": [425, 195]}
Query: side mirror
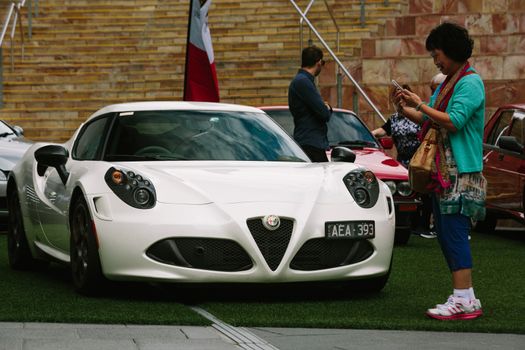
{"type": "Point", "coordinates": [53, 156]}
{"type": "Point", "coordinates": [18, 130]}
{"type": "Point", "coordinates": [510, 143]}
{"type": "Point", "coordinates": [386, 142]}
{"type": "Point", "coordinates": [342, 154]}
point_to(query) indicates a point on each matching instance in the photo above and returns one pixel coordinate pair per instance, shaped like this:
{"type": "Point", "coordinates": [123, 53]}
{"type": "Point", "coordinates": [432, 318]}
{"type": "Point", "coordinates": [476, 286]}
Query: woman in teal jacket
{"type": "Point", "coordinates": [458, 107]}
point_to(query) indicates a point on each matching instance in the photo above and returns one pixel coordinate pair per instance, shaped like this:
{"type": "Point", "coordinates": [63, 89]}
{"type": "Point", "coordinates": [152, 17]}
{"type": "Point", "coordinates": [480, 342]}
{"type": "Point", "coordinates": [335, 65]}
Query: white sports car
{"type": "Point", "coordinates": [196, 192]}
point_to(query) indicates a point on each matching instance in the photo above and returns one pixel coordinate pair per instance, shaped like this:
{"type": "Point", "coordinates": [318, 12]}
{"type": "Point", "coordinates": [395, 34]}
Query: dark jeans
{"type": "Point", "coordinates": [316, 155]}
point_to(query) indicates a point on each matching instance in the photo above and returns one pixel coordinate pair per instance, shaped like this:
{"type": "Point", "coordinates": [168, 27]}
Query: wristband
{"type": "Point", "coordinates": [418, 107]}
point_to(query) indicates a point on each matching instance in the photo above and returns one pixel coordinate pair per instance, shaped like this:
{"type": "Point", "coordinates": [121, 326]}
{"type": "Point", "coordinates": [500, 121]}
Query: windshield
{"type": "Point", "coordinates": [199, 135]}
{"type": "Point", "coordinates": [347, 129]}
{"type": "Point", "coordinates": [343, 128]}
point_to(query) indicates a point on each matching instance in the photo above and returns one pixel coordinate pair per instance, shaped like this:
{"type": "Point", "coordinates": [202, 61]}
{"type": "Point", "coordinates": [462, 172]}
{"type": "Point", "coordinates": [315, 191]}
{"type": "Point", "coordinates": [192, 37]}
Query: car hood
{"type": "Point", "coordinates": [383, 166]}
{"type": "Point", "coordinates": [11, 151]}
{"type": "Point", "coordinates": [243, 182]}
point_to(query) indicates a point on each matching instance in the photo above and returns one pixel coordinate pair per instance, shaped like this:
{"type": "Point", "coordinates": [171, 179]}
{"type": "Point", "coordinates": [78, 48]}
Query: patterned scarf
{"type": "Point", "coordinates": [441, 168]}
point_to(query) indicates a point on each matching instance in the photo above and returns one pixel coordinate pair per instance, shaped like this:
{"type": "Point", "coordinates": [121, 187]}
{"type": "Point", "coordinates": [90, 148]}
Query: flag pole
{"type": "Point", "coordinates": [187, 50]}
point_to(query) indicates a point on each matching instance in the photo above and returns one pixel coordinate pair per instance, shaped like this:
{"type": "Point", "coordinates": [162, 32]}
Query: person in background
{"type": "Point", "coordinates": [426, 227]}
{"type": "Point", "coordinates": [310, 113]}
{"type": "Point", "coordinates": [437, 80]}
{"type": "Point", "coordinates": [404, 132]}
{"type": "Point", "coordinates": [458, 108]}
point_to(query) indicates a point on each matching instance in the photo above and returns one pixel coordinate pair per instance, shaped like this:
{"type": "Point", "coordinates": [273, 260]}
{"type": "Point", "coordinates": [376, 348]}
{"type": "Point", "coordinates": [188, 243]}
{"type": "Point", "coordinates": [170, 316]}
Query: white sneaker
{"type": "Point", "coordinates": [430, 234]}
{"type": "Point", "coordinates": [456, 309]}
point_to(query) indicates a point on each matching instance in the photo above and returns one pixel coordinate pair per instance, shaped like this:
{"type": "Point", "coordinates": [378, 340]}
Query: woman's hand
{"type": "Point", "coordinates": [409, 98]}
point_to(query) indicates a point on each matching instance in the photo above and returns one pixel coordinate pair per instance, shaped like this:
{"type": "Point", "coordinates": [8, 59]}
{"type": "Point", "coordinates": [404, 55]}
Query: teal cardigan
{"type": "Point", "coordinates": [466, 109]}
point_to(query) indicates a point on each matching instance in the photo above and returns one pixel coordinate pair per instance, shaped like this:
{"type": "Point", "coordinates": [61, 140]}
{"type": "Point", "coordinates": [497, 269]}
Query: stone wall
{"type": "Point", "coordinates": [498, 30]}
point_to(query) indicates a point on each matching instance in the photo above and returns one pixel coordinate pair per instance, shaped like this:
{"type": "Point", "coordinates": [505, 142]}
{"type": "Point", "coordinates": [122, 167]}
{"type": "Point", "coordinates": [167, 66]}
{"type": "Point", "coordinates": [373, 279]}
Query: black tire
{"type": "Point", "coordinates": [486, 226]}
{"type": "Point", "coordinates": [402, 236]}
{"type": "Point", "coordinates": [86, 271]}
{"type": "Point", "coordinates": [19, 254]}
{"type": "Point", "coordinates": [371, 285]}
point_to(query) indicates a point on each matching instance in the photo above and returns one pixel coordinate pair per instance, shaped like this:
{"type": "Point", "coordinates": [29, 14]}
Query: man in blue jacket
{"type": "Point", "coordinates": [310, 113]}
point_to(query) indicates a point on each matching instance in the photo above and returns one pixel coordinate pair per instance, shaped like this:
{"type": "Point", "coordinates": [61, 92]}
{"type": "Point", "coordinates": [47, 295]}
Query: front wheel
{"type": "Point", "coordinates": [18, 251]}
{"type": "Point", "coordinates": [402, 236]}
{"type": "Point", "coordinates": [86, 270]}
{"type": "Point", "coordinates": [488, 225]}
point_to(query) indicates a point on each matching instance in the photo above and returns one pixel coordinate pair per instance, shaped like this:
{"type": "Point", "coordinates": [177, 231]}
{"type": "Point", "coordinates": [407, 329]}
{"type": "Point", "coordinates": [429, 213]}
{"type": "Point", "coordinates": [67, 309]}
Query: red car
{"type": "Point", "coordinates": [347, 129]}
{"type": "Point", "coordinates": [504, 166]}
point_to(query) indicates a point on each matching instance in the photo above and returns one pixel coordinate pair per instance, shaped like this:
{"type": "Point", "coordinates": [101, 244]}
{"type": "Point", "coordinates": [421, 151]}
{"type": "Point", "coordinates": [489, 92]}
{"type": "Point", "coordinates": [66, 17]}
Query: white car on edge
{"type": "Point", "coordinates": [196, 192]}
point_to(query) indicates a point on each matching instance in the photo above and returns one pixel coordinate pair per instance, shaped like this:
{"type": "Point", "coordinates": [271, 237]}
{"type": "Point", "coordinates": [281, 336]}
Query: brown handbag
{"type": "Point", "coordinates": [420, 166]}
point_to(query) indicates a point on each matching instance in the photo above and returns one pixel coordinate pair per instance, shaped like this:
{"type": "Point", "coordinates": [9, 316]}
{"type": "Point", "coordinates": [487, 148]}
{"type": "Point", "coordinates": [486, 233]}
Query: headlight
{"type": "Point", "coordinates": [392, 186]}
{"type": "Point", "coordinates": [3, 176]}
{"type": "Point", "coordinates": [132, 188]}
{"type": "Point", "coordinates": [363, 186]}
{"type": "Point", "coordinates": [403, 188]}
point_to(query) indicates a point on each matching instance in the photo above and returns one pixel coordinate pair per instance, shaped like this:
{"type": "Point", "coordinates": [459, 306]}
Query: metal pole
{"type": "Point", "coordinates": [355, 103]}
{"type": "Point", "coordinates": [1, 78]}
{"type": "Point", "coordinates": [30, 19]}
{"type": "Point", "coordinates": [347, 73]}
{"type": "Point", "coordinates": [6, 24]}
{"type": "Point", "coordinates": [339, 78]}
{"type": "Point", "coordinates": [362, 18]}
{"type": "Point", "coordinates": [301, 26]}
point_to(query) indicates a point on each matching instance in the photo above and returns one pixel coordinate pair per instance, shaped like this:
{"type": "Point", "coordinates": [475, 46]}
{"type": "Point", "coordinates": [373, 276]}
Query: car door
{"type": "Point", "coordinates": [54, 209]}
{"type": "Point", "coordinates": [54, 216]}
{"type": "Point", "coordinates": [502, 166]}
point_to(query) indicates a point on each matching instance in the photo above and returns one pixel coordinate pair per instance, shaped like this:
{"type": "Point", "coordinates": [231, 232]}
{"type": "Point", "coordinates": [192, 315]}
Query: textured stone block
{"type": "Point", "coordinates": [406, 25]}
{"type": "Point", "coordinates": [514, 67]}
{"type": "Point", "coordinates": [489, 67]}
{"type": "Point", "coordinates": [494, 44]}
{"type": "Point", "coordinates": [420, 6]}
{"type": "Point", "coordinates": [505, 23]}
{"type": "Point", "coordinates": [376, 71]}
{"type": "Point", "coordinates": [516, 43]}
{"type": "Point", "coordinates": [495, 6]}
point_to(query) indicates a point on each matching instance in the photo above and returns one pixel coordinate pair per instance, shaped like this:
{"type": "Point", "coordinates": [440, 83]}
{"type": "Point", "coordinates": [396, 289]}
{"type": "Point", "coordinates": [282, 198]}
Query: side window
{"type": "Point", "coordinates": [90, 141]}
{"type": "Point", "coordinates": [500, 127]}
{"type": "Point", "coordinates": [518, 127]}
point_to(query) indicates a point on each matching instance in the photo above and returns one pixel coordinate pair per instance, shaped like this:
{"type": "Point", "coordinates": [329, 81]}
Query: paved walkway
{"type": "Point", "coordinates": [50, 336]}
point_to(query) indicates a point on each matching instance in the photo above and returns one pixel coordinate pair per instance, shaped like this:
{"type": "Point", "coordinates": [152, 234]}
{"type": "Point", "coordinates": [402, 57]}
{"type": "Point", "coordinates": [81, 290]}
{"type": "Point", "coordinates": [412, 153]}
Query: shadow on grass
{"type": "Point", "coordinates": [58, 276]}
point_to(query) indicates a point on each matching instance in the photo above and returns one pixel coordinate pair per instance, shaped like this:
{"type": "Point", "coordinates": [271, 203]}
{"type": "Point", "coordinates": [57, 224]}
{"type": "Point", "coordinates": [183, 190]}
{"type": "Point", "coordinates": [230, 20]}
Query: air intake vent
{"type": "Point", "coordinates": [272, 244]}
{"type": "Point", "coordinates": [201, 253]}
{"type": "Point", "coordinates": [320, 254]}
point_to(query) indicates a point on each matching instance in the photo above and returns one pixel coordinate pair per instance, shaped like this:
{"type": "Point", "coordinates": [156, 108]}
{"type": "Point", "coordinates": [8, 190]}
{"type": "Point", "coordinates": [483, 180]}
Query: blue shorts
{"type": "Point", "coordinates": [452, 232]}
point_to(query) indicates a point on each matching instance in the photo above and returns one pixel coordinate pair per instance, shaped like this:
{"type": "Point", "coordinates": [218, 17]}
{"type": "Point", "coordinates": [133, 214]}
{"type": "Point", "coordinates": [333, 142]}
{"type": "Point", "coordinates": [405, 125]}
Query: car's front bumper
{"type": "Point", "coordinates": [125, 238]}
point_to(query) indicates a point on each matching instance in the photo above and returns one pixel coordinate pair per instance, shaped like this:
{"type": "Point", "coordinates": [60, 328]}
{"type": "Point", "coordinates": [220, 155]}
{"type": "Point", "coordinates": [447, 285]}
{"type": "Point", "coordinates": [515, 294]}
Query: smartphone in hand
{"type": "Point", "coordinates": [396, 84]}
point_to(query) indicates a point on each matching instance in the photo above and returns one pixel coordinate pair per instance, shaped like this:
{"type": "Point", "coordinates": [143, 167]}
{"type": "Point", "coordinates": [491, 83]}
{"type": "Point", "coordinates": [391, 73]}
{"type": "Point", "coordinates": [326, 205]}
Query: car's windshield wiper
{"type": "Point", "coordinates": [355, 143]}
{"type": "Point", "coordinates": [134, 157]}
{"type": "Point", "coordinates": [4, 134]}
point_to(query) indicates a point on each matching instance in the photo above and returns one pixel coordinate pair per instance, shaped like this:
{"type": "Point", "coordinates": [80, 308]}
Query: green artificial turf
{"type": "Point", "coordinates": [419, 280]}
{"type": "Point", "coordinates": [48, 296]}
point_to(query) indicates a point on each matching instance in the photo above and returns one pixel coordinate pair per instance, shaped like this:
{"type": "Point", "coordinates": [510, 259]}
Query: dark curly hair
{"type": "Point", "coordinates": [452, 39]}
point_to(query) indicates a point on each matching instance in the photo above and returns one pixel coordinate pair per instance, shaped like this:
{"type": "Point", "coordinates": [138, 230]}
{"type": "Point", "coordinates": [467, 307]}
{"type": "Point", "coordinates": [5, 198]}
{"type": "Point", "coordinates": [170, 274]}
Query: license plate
{"type": "Point", "coordinates": [350, 230]}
